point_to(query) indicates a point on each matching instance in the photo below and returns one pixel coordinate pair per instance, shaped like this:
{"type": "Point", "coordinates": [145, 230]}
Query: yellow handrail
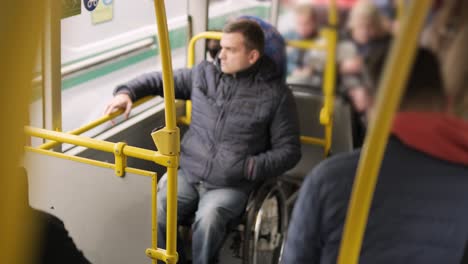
{"type": "Point", "coordinates": [105, 146]}
{"type": "Point", "coordinates": [307, 44]}
{"type": "Point", "coordinates": [313, 141]}
{"type": "Point", "coordinates": [326, 114]}
{"type": "Point", "coordinates": [391, 87]}
{"type": "Point", "coordinates": [95, 123]}
{"type": "Point", "coordinates": [89, 161]}
{"type": "Point", "coordinates": [168, 142]}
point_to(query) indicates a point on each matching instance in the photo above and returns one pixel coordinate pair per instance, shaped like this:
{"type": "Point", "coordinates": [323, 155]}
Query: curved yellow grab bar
{"type": "Point", "coordinates": [190, 62]}
{"type": "Point", "coordinates": [391, 88]}
{"type": "Point", "coordinates": [193, 41]}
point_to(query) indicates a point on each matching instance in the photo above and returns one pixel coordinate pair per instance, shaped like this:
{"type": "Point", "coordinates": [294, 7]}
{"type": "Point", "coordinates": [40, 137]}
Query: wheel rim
{"type": "Point", "coordinates": [268, 230]}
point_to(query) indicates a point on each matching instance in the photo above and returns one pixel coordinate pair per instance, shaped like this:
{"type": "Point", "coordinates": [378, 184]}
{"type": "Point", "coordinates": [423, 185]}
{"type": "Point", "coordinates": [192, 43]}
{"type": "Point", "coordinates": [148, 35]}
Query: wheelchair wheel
{"type": "Point", "coordinates": [266, 227]}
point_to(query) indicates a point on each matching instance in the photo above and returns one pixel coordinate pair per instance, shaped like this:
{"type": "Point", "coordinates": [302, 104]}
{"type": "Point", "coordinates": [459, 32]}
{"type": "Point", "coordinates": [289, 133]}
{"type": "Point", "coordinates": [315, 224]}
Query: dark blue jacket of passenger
{"type": "Point", "coordinates": [56, 246]}
{"type": "Point", "coordinates": [418, 213]}
{"type": "Point", "coordinates": [244, 127]}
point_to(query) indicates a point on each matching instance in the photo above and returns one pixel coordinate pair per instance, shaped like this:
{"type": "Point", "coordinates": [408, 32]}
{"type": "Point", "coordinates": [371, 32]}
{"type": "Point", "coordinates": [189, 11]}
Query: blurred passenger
{"type": "Point", "coordinates": [447, 36]}
{"type": "Point", "coordinates": [366, 29]}
{"type": "Point", "coordinates": [302, 63]}
{"type": "Point", "coordinates": [455, 71]}
{"type": "Point", "coordinates": [244, 130]}
{"type": "Point", "coordinates": [213, 47]}
{"type": "Point", "coordinates": [366, 25]}
{"type": "Point", "coordinates": [417, 213]}
{"type": "Point", "coordinates": [390, 11]}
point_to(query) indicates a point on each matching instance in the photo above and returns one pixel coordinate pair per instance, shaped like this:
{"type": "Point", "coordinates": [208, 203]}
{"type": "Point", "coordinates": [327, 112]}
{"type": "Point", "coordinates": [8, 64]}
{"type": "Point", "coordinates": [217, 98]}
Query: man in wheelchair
{"type": "Point", "coordinates": [244, 129]}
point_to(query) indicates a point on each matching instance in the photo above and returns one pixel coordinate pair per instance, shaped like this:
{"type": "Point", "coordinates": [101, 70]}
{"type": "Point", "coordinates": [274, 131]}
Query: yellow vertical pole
{"type": "Point", "coordinates": [333, 14]}
{"type": "Point", "coordinates": [400, 9]}
{"type": "Point", "coordinates": [326, 115]}
{"type": "Point", "coordinates": [391, 88]}
{"type": "Point", "coordinates": [154, 212]}
{"type": "Point", "coordinates": [171, 236]}
{"type": "Point", "coordinates": [169, 101]}
{"type": "Point", "coordinates": [20, 29]}
{"type": "Point", "coordinates": [165, 53]}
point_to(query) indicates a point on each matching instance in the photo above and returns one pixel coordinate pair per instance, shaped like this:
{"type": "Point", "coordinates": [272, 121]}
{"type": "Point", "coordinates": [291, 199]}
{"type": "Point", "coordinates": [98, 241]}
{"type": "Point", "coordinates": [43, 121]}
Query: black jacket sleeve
{"type": "Point", "coordinates": [285, 143]}
{"type": "Point", "coordinates": [152, 84]}
{"type": "Point", "coordinates": [57, 246]}
{"type": "Point", "coordinates": [303, 242]}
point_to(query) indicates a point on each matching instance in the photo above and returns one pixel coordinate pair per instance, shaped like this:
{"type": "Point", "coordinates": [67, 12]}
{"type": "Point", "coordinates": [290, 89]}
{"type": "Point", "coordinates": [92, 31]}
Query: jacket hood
{"type": "Point", "coordinates": [436, 134]}
{"type": "Point", "coordinates": [265, 67]}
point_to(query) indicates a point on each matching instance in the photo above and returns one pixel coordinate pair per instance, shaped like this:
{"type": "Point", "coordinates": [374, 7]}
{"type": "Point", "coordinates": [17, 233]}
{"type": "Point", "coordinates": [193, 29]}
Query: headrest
{"type": "Point", "coordinates": [275, 46]}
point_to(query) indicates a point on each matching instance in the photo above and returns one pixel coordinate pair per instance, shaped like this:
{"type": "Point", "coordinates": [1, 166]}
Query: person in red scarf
{"type": "Point", "coordinates": [418, 213]}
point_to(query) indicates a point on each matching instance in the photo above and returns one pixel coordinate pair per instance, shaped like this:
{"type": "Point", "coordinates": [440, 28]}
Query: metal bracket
{"type": "Point", "coordinates": [120, 159]}
{"type": "Point", "coordinates": [167, 141]}
{"type": "Point", "coordinates": [160, 254]}
{"type": "Point", "coordinates": [325, 118]}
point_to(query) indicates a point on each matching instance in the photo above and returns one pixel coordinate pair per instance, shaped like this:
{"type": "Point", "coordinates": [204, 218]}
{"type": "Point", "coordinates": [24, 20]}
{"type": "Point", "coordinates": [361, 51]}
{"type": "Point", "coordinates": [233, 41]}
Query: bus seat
{"type": "Point", "coordinates": [309, 101]}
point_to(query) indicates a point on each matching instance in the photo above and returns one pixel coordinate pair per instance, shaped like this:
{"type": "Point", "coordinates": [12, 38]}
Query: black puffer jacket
{"type": "Point", "coordinates": [244, 126]}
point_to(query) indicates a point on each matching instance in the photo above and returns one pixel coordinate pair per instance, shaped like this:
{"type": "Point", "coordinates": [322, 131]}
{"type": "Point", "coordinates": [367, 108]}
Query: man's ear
{"type": "Point", "coordinates": [254, 55]}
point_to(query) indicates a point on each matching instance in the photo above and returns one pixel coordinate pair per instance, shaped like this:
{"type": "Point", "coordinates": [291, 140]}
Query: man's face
{"type": "Point", "coordinates": [305, 26]}
{"type": "Point", "coordinates": [364, 31]}
{"type": "Point", "coordinates": [234, 55]}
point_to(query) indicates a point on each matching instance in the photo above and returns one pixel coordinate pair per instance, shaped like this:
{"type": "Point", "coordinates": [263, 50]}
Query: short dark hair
{"type": "Point", "coordinates": [250, 30]}
{"type": "Point", "coordinates": [425, 83]}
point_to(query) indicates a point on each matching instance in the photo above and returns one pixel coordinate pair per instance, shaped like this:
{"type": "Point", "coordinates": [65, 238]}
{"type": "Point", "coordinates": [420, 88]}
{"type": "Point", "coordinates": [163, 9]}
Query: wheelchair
{"type": "Point", "coordinates": [256, 236]}
{"type": "Point", "coordinates": [259, 237]}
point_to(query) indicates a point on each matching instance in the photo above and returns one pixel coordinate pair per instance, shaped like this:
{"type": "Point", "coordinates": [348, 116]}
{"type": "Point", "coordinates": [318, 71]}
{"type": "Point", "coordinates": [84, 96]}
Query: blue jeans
{"type": "Point", "coordinates": [216, 208]}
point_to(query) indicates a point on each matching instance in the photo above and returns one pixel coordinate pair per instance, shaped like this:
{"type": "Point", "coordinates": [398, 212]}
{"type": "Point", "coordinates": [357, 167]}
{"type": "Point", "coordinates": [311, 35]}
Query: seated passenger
{"type": "Point", "coordinates": [366, 29]}
{"type": "Point", "coordinates": [244, 130]}
{"type": "Point", "coordinates": [303, 64]}
{"type": "Point", "coordinates": [417, 213]}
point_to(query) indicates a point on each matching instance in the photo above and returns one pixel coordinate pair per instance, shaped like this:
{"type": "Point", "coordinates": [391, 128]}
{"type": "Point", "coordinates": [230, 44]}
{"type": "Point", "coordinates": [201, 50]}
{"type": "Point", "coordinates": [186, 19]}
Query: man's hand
{"type": "Point", "coordinates": [120, 101]}
{"type": "Point", "coordinates": [302, 72]}
{"type": "Point", "coordinates": [351, 65]}
{"type": "Point", "coordinates": [359, 99]}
